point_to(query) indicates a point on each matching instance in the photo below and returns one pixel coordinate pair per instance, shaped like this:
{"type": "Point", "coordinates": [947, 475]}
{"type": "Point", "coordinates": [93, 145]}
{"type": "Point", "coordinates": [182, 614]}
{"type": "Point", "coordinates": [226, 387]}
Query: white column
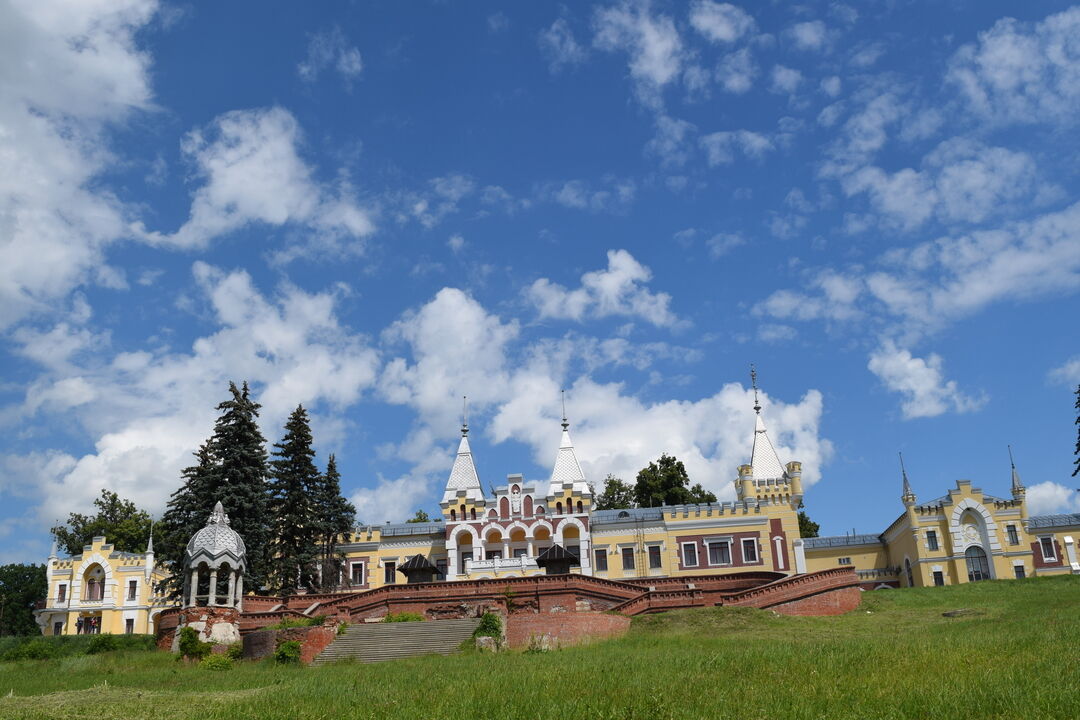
{"type": "Point", "coordinates": [1070, 554]}
{"type": "Point", "coordinates": [194, 586]}
{"type": "Point", "coordinates": [239, 591]}
{"type": "Point", "coordinates": [530, 551]}
{"type": "Point", "coordinates": [586, 556]}
{"type": "Point", "coordinates": [452, 556]}
{"type": "Point", "coordinates": [506, 549]}
{"type": "Point", "coordinates": [230, 598]}
{"type": "Point", "coordinates": [800, 556]}
{"type": "Point", "coordinates": [211, 599]}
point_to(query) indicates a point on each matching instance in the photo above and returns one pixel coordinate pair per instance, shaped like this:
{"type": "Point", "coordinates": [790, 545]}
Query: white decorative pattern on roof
{"type": "Point", "coordinates": [567, 469]}
{"type": "Point", "coordinates": [764, 460]}
{"type": "Point", "coordinates": [463, 475]}
{"type": "Point", "coordinates": [217, 538]}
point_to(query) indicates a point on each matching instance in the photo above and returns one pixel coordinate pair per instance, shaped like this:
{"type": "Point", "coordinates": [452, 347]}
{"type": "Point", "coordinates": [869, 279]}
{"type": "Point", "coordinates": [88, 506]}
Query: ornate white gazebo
{"type": "Point", "coordinates": [215, 550]}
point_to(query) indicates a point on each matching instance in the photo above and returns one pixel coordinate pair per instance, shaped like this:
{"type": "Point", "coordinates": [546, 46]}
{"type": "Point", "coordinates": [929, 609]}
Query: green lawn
{"type": "Point", "coordinates": [1017, 655]}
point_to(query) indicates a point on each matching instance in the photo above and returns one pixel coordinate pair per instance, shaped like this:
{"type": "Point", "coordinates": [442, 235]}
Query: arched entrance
{"type": "Point", "coordinates": [977, 566]}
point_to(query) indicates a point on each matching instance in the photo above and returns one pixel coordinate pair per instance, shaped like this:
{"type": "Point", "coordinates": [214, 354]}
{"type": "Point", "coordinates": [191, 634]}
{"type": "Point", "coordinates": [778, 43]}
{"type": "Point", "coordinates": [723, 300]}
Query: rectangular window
{"type": "Point", "coordinates": [58, 628]}
{"type": "Point", "coordinates": [628, 558]}
{"type": "Point", "coordinates": [440, 565]}
{"type": "Point", "coordinates": [719, 553]}
{"type": "Point", "coordinates": [61, 593]}
{"type": "Point", "coordinates": [939, 577]}
{"type": "Point", "coordinates": [520, 552]}
{"type": "Point", "coordinates": [129, 626]}
{"type": "Point", "coordinates": [1047, 546]}
{"type": "Point", "coordinates": [931, 539]}
{"type": "Point", "coordinates": [601, 560]}
{"type": "Point", "coordinates": [133, 589]}
{"type": "Point", "coordinates": [1014, 539]}
{"type": "Point", "coordinates": [466, 558]}
{"type": "Point", "coordinates": [574, 550]}
{"type": "Point", "coordinates": [749, 550]}
{"type": "Point", "coordinates": [389, 573]}
{"type": "Point", "coordinates": [1018, 570]}
{"type": "Point", "coordinates": [845, 561]}
{"type": "Point", "coordinates": [689, 554]}
{"type": "Point", "coordinates": [494, 554]}
{"type": "Point", "coordinates": [356, 573]}
{"type": "Point", "coordinates": [654, 557]}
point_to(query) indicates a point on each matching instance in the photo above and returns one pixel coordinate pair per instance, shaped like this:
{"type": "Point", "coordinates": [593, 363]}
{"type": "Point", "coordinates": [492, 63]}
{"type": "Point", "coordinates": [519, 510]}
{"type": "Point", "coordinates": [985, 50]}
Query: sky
{"type": "Point", "coordinates": [374, 209]}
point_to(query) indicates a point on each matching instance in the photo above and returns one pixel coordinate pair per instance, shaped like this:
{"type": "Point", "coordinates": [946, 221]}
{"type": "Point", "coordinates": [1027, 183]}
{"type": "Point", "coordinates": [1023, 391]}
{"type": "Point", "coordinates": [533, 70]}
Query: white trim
{"type": "Point", "coordinates": [697, 560]}
{"type": "Point", "coordinates": [1042, 548]}
{"type": "Point", "coordinates": [363, 572]}
{"type": "Point", "coordinates": [719, 541]}
{"type": "Point", "coordinates": [778, 552]}
{"type": "Point", "coordinates": [742, 550]}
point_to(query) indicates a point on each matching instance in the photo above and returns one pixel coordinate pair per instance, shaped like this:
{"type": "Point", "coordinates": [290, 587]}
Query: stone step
{"type": "Point", "coordinates": [377, 642]}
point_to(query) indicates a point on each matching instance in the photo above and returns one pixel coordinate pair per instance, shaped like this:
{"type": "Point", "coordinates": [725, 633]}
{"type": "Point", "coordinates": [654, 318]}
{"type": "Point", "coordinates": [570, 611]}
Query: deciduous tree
{"type": "Point", "coordinates": [125, 526]}
{"type": "Point", "coordinates": [665, 482]}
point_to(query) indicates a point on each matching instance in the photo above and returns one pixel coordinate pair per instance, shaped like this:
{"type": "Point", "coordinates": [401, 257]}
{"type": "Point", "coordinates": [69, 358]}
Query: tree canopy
{"type": "Point", "coordinates": [616, 495]}
{"type": "Point", "coordinates": [420, 517]}
{"type": "Point", "coordinates": [665, 482]}
{"type": "Point", "coordinates": [294, 484]}
{"type": "Point", "coordinates": [125, 526]}
{"type": "Point", "coordinates": [807, 527]}
{"type": "Point", "coordinates": [20, 587]}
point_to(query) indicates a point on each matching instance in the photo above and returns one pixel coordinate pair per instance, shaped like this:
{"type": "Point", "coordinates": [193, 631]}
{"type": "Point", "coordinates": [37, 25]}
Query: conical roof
{"type": "Point", "coordinates": [463, 475]}
{"type": "Point", "coordinates": [763, 459]}
{"type": "Point", "coordinates": [567, 469]}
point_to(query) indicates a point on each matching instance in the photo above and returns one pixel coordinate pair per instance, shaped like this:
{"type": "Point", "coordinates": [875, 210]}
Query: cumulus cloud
{"type": "Point", "coordinates": [810, 35]}
{"type": "Point", "coordinates": [618, 290]}
{"type": "Point", "coordinates": [561, 47]}
{"type": "Point", "coordinates": [330, 50]}
{"type": "Point", "coordinates": [1019, 72]}
{"type": "Point", "coordinates": [720, 147]}
{"type": "Point", "coordinates": [723, 243]}
{"type": "Point", "coordinates": [1067, 373]}
{"type": "Point", "coordinates": [67, 75]}
{"type": "Point", "coordinates": [720, 22]}
{"type": "Point", "coordinates": [921, 382]}
{"type": "Point", "coordinates": [1049, 497]}
{"type": "Point", "coordinates": [251, 171]}
{"type": "Point", "coordinates": [785, 80]}
{"type": "Point", "coordinates": [736, 71]}
{"type": "Point", "coordinates": [671, 143]}
{"type": "Point", "coordinates": [614, 195]}
{"type": "Point", "coordinates": [651, 41]}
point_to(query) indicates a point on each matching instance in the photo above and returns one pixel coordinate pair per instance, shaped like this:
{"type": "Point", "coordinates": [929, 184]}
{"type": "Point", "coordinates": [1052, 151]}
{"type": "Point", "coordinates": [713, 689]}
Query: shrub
{"type": "Point", "coordinates": [102, 643]}
{"type": "Point", "coordinates": [235, 651]}
{"type": "Point", "coordinates": [288, 653]}
{"type": "Point", "coordinates": [33, 650]}
{"type": "Point", "coordinates": [216, 662]}
{"type": "Point", "coordinates": [490, 626]}
{"type": "Point", "coordinates": [342, 628]}
{"type": "Point", "coordinates": [191, 646]}
{"type": "Point", "coordinates": [295, 622]}
{"type": "Point", "coordinates": [403, 617]}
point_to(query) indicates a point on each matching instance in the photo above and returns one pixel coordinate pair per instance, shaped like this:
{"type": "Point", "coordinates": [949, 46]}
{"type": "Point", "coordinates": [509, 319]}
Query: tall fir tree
{"type": "Point", "coordinates": [294, 486]}
{"type": "Point", "coordinates": [1076, 462]}
{"type": "Point", "coordinates": [336, 517]}
{"type": "Point", "coordinates": [188, 509]}
{"type": "Point", "coordinates": [240, 479]}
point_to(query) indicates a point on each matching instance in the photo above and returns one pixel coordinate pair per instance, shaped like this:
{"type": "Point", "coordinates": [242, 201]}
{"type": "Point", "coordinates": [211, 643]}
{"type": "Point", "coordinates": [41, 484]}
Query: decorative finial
{"type": "Point", "coordinates": [565, 423]}
{"type": "Point", "coordinates": [150, 542]}
{"type": "Point", "coordinates": [907, 485]}
{"type": "Point", "coordinates": [1011, 463]}
{"type": "Point", "coordinates": [753, 383]}
{"type": "Point", "coordinates": [464, 415]}
{"type": "Point", "coordinates": [1018, 489]}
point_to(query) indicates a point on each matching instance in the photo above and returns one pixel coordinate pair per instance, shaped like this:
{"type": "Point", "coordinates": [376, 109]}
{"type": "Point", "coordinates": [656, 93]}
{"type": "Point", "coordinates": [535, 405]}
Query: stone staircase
{"type": "Point", "coordinates": [376, 642]}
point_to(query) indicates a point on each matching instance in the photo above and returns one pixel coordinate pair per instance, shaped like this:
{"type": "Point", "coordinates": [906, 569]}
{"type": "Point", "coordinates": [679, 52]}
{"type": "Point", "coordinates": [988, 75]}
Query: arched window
{"type": "Point", "coordinates": [580, 506]}
{"type": "Point", "coordinates": [453, 515]}
{"type": "Point", "coordinates": [474, 513]}
{"type": "Point", "coordinates": [978, 568]}
{"type": "Point", "coordinates": [558, 508]}
{"type": "Point", "coordinates": [462, 512]}
{"type": "Point", "coordinates": [95, 583]}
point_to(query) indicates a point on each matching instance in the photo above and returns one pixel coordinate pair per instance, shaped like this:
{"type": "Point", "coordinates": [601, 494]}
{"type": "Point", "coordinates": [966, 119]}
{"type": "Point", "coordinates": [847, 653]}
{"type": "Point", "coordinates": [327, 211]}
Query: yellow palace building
{"type": "Point", "coordinates": [966, 535]}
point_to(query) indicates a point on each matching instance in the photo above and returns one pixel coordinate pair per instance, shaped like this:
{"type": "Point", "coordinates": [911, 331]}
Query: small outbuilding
{"type": "Point", "coordinates": [418, 569]}
{"type": "Point", "coordinates": [557, 560]}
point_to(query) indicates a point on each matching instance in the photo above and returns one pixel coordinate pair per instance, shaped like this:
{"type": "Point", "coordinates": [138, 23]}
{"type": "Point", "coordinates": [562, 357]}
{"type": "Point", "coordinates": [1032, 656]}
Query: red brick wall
{"type": "Point", "coordinates": [564, 628]}
{"type": "Point", "coordinates": [832, 602]}
{"type": "Point", "coordinates": [1037, 556]}
{"type": "Point", "coordinates": [736, 550]}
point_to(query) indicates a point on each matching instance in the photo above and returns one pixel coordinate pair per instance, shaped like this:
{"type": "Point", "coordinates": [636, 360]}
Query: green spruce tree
{"type": "Point", "coordinates": [336, 517]}
{"type": "Point", "coordinates": [1076, 462]}
{"type": "Point", "coordinates": [188, 510]}
{"type": "Point", "coordinates": [294, 485]}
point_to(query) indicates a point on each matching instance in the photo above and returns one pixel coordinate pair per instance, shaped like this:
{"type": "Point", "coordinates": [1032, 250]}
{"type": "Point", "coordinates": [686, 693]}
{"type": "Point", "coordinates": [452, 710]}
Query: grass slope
{"type": "Point", "coordinates": [1015, 656]}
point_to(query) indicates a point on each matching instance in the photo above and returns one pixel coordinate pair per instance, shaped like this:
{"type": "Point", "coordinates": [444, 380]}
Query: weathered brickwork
{"type": "Point", "coordinates": [564, 629]}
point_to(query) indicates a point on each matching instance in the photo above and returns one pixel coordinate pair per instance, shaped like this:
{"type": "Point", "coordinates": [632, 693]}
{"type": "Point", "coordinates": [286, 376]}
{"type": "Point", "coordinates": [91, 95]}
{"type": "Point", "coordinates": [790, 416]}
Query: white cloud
{"type": "Point", "coordinates": [720, 22]}
{"type": "Point", "coordinates": [720, 146]}
{"type": "Point", "coordinates": [1049, 497]}
{"type": "Point", "coordinates": [921, 382]}
{"type": "Point", "coordinates": [614, 196]}
{"type": "Point", "coordinates": [1023, 72]}
{"type": "Point", "coordinates": [67, 74]}
{"type": "Point", "coordinates": [810, 35]}
{"type": "Point", "coordinates": [330, 50]}
{"type": "Point", "coordinates": [1067, 373]}
{"type": "Point", "coordinates": [831, 86]}
{"type": "Point", "coordinates": [150, 410]}
{"type": "Point", "coordinates": [561, 48]}
{"type": "Point", "coordinates": [651, 41]}
{"type": "Point", "coordinates": [774, 333]}
{"type": "Point", "coordinates": [252, 172]}
{"type": "Point", "coordinates": [785, 80]}
{"type": "Point", "coordinates": [671, 142]}
{"type": "Point", "coordinates": [456, 243]}
{"type": "Point", "coordinates": [723, 243]}
{"type": "Point", "coordinates": [619, 290]}
{"type": "Point", "coordinates": [736, 71]}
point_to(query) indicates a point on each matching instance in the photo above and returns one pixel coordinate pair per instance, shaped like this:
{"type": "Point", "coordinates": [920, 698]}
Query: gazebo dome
{"type": "Point", "coordinates": [216, 543]}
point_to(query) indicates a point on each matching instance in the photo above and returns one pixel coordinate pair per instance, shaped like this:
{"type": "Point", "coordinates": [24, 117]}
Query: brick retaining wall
{"type": "Point", "coordinates": [564, 628]}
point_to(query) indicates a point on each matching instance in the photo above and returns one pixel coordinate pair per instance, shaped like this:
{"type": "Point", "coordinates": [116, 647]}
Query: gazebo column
{"type": "Point", "coordinates": [239, 590]}
{"type": "Point", "coordinates": [211, 599]}
{"type": "Point", "coordinates": [531, 549]}
{"type": "Point", "coordinates": [194, 586]}
{"type": "Point", "coordinates": [230, 600]}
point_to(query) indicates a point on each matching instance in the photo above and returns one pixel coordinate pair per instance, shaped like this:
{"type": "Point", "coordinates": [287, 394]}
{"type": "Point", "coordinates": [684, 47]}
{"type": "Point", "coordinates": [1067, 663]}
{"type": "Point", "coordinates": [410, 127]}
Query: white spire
{"type": "Point", "coordinates": [764, 460]}
{"type": "Point", "coordinates": [567, 469]}
{"type": "Point", "coordinates": [52, 550]}
{"type": "Point", "coordinates": [463, 475]}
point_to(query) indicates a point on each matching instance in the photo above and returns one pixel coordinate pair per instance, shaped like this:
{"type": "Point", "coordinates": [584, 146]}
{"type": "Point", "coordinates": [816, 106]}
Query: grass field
{"type": "Point", "coordinates": [1016, 655]}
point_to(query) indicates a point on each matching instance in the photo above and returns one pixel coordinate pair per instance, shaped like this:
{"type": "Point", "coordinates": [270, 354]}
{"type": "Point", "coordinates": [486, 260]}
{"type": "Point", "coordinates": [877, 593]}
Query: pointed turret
{"type": "Point", "coordinates": [907, 495]}
{"type": "Point", "coordinates": [463, 476]}
{"type": "Point", "coordinates": [567, 469]}
{"type": "Point", "coordinates": [1018, 489]}
{"type": "Point", "coordinates": [764, 461]}
{"type": "Point", "coordinates": [52, 550]}
{"type": "Point", "coordinates": [150, 553]}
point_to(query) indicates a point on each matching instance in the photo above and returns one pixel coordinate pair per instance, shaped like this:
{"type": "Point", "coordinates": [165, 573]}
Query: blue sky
{"type": "Point", "coordinates": [374, 209]}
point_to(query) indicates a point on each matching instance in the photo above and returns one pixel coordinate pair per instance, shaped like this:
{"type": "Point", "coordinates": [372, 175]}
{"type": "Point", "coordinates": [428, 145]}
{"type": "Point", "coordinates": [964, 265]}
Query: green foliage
{"type": "Point", "coordinates": [191, 646]}
{"type": "Point", "coordinates": [1076, 462]}
{"type": "Point", "coordinates": [293, 484]}
{"type": "Point", "coordinates": [403, 617]}
{"type": "Point", "coordinates": [334, 519]}
{"type": "Point", "coordinates": [490, 626]}
{"type": "Point", "coordinates": [616, 495]}
{"type": "Point", "coordinates": [216, 662]}
{"type": "Point", "coordinates": [125, 526]}
{"type": "Point", "coordinates": [342, 628]}
{"type": "Point", "coordinates": [36, 649]}
{"type": "Point", "coordinates": [20, 587]}
{"type": "Point", "coordinates": [419, 517]}
{"type": "Point", "coordinates": [102, 643]}
{"type": "Point", "coordinates": [665, 482]}
{"type": "Point", "coordinates": [288, 653]}
{"type": "Point", "coordinates": [185, 513]}
{"type": "Point", "coordinates": [807, 527]}
{"type": "Point", "coordinates": [295, 622]}
{"type": "Point", "coordinates": [235, 651]}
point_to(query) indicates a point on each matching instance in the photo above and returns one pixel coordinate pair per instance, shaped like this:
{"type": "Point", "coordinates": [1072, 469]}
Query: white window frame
{"type": "Point", "coordinates": [1011, 535]}
{"type": "Point", "coordinates": [62, 588]}
{"type": "Point", "coordinates": [130, 596]}
{"type": "Point", "coordinates": [708, 552]}
{"type": "Point", "coordinates": [659, 554]}
{"type": "Point", "coordinates": [597, 554]}
{"type": "Point", "coordinates": [932, 542]}
{"type": "Point", "coordinates": [845, 561]}
{"type": "Point", "coordinates": [1042, 548]}
{"type": "Point", "coordinates": [363, 572]}
{"type": "Point", "coordinates": [742, 550]}
{"type": "Point", "coordinates": [633, 559]}
{"type": "Point", "coordinates": [697, 560]}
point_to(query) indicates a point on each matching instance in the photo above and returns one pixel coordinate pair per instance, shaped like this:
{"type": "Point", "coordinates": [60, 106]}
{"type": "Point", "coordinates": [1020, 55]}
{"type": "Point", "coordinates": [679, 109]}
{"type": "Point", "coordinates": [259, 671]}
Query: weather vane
{"type": "Point", "coordinates": [753, 383]}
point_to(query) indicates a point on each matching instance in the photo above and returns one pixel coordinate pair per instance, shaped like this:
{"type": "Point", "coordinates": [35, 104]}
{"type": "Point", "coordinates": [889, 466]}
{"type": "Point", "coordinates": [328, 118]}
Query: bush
{"type": "Point", "coordinates": [490, 626]}
{"type": "Point", "coordinates": [295, 622]}
{"type": "Point", "coordinates": [102, 643]}
{"type": "Point", "coordinates": [235, 651]}
{"type": "Point", "coordinates": [216, 662]}
{"type": "Point", "coordinates": [342, 628]}
{"type": "Point", "coordinates": [38, 649]}
{"type": "Point", "coordinates": [403, 617]}
{"type": "Point", "coordinates": [288, 653]}
{"type": "Point", "coordinates": [191, 646]}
